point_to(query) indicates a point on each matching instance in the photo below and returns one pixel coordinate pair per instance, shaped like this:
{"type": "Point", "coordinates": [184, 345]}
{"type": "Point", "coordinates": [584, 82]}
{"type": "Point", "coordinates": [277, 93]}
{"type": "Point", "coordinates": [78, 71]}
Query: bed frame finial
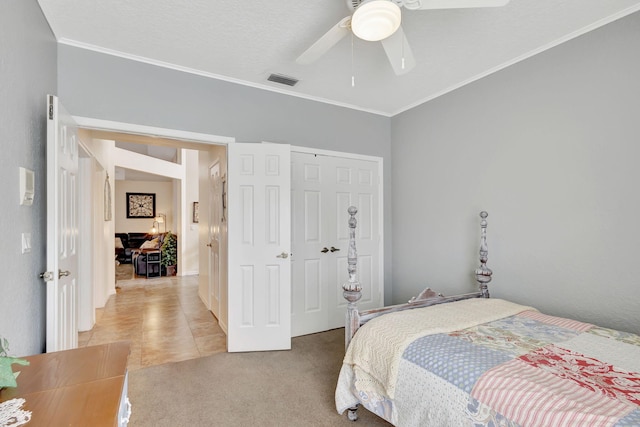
{"type": "Point", "coordinates": [352, 291]}
{"type": "Point", "coordinates": [483, 273]}
{"type": "Point", "coordinates": [352, 255]}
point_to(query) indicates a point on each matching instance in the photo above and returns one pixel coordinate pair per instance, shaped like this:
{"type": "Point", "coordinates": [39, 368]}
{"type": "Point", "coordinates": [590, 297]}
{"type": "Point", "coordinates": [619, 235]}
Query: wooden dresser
{"type": "Point", "coordinates": [80, 387]}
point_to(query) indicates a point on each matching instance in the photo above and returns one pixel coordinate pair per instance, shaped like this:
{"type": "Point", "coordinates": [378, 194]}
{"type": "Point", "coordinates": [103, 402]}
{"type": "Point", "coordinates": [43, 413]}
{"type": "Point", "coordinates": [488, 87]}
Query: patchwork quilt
{"type": "Point", "coordinates": [523, 369]}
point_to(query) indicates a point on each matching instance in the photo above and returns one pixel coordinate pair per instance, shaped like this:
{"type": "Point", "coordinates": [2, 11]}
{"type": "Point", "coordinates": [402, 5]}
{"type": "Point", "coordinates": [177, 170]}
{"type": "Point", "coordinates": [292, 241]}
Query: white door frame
{"type": "Point", "coordinates": [131, 128]}
{"type": "Point", "coordinates": [112, 126]}
{"type": "Point", "coordinates": [86, 253]}
{"type": "Point", "coordinates": [379, 161]}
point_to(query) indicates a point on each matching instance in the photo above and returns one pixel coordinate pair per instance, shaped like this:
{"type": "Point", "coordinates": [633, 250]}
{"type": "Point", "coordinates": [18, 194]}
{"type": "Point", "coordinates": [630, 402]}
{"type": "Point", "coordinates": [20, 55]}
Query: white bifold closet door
{"type": "Point", "coordinates": [322, 188]}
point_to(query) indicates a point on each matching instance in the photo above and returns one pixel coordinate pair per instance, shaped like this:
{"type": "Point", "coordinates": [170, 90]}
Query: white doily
{"type": "Point", "coordinates": [11, 415]}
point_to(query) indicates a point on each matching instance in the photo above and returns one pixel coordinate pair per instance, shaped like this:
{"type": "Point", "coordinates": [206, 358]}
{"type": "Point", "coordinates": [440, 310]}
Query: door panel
{"type": "Point", "coordinates": [259, 221]}
{"type": "Point", "coordinates": [357, 184]}
{"type": "Point", "coordinates": [312, 286]}
{"type": "Point", "coordinates": [62, 228]}
{"type": "Point", "coordinates": [308, 287]}
{"type": "Point", "coordinates": [215, 225]}
{"type": "Point", "coordinates": [323, 188]}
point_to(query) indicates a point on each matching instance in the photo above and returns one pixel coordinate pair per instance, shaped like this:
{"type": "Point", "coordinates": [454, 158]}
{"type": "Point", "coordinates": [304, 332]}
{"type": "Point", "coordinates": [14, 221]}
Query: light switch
{"type": "Point", "coordinates": [27, 185]}
{"type": "Point", "coordinates": [26, 243]}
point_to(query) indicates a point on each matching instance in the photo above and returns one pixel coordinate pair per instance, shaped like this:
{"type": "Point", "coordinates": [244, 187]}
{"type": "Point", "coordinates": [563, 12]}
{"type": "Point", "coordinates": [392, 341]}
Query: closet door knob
{"type": "Point", "coordinates": [334, 249]}
{"type": "Point", "coordinates": [283, 255]}
{"type": "Point", "coordinates": [324, 250]}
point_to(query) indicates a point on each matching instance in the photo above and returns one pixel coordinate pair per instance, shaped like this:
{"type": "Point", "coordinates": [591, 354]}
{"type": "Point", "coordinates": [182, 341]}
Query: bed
{"type": "Point", "coordinates": [471, 360]}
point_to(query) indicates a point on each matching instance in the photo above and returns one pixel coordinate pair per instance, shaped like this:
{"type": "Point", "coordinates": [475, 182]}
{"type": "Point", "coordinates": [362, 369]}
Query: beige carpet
{"type": "Point", "coordinates": [283, 388]}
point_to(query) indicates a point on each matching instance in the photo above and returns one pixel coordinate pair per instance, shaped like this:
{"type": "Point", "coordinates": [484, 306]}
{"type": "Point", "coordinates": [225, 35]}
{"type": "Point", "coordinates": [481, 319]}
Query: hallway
{"type": "Point", "coordinates": [163, 318]}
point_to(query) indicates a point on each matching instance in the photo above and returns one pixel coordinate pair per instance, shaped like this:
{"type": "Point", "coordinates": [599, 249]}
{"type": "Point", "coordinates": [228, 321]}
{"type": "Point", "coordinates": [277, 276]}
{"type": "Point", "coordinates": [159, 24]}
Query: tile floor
{"type": "Point", "coordinates": [163, 318]}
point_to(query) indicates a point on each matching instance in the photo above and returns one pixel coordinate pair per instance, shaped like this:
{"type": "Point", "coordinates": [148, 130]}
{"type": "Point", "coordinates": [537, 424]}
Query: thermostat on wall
{"type": "Point", "coordinates": [27, 185]}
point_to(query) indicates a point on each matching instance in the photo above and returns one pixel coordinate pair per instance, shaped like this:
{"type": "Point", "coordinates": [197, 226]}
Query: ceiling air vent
{"type": "Point", "coordinates": [282, 79]}
{"type": "Point", "coordinates": [353, 4]}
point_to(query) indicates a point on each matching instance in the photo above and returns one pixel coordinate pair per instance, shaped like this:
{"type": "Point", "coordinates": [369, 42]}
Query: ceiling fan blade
{"type": "Point", "coordinates": [326, 42]}
{"type": "Point", "coordinates": [451, 4]}
{"type": "Point", "coordinates": [399, 52]}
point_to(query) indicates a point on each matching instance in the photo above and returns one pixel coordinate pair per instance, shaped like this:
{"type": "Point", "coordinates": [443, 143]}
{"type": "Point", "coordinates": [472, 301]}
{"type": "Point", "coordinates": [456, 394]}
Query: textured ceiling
{"type": "Point", "coordinates": [244, 42]}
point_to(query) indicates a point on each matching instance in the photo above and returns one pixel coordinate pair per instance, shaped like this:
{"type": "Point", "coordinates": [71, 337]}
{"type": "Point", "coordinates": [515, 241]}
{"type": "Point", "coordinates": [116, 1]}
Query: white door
{"type": "Point", "coordinates": [356, 183]}
{"type": "Point", "coordinates": [215, 219]}
{"type": "Point", "coordinates": [62, 228]}
{"type": "Point", "coordinates": [309, 190]}
{"type": "Point", "coordinates": [259, 277]}
{"type": "Point", "coordinates": [323, 187]}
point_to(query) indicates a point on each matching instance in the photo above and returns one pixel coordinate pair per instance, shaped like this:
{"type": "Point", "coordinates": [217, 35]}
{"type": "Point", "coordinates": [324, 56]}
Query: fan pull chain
{"type": "Point", "coordinates": [402, 41]}
{"type": "Point", "coordinates": [403, 54]}
{"type": "Point", "coordinates": [353, 77]}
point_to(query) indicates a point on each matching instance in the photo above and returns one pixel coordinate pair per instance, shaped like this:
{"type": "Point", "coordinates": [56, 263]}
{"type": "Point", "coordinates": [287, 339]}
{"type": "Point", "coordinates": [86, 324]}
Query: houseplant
{"type": "Point", "coordinates": [7, 376]}
{"type": "Point", "coordinates": [169, 250]}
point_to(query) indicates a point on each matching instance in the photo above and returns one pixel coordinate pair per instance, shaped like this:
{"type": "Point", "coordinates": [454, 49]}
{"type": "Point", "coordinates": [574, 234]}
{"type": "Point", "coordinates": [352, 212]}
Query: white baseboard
{"type": "Point", "coordinates": [189, 273]}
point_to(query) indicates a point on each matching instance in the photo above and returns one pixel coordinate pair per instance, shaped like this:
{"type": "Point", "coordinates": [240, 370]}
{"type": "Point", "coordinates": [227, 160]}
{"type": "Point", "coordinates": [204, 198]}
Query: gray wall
{"type": "Point", "coordinates": [106, 87]}
{"type": "Point", "coordinates": [27, 75]}
{"type": "Point", "coordinates": [556, 135]}
{"type": "Point", "coordinates": [550, 148]}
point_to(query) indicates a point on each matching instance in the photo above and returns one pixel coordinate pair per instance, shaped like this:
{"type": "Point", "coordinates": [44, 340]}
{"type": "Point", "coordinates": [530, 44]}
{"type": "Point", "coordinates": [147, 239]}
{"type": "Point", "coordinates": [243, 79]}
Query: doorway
{"type": "Point", "coordinates": [184, 219]}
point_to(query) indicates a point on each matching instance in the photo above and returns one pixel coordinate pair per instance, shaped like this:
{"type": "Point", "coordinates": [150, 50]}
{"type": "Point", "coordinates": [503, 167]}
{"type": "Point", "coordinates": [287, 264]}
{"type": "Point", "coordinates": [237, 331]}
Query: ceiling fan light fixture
{"type": "Point", "coordinates": [375, 20]}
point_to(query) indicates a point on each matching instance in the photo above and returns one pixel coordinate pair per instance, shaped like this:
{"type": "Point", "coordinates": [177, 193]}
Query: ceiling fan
{"type": "Point", "coordinates": [379, 20]}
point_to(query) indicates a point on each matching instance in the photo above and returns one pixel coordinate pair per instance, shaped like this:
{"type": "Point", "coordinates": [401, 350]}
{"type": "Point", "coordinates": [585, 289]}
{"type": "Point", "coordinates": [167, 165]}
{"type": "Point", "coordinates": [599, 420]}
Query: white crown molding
{"type": "Point", "coordinates": [541, 49]}
{"type": "Point", "coordinates": [137, 58]}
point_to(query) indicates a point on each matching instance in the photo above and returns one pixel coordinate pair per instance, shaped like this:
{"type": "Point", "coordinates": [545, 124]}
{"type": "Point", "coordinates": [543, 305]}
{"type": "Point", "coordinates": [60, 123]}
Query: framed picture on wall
{"type": "Point", "coordinates": [141, 205]}
{"type": "Point", "coordinates": [196, 214]}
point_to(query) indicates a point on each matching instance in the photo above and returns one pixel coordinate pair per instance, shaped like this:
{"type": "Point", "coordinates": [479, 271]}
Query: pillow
{"type": "Point", "coordinates": [119, 244]}
{"type": "Point", "coordinates": [151, 244]}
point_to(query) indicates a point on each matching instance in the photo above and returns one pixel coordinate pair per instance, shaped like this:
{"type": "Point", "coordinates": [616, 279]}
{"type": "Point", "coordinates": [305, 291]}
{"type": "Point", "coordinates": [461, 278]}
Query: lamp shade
{"type": "Point", "coordinates": [375, 20]}
{"type": "Point", "coordinates": [159, 219]}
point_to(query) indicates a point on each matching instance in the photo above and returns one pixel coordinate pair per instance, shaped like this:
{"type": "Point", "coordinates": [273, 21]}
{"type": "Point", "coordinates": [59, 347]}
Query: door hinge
{"type": "Point", "coordinates": [50, 107]}
{"type": "Point", "coordinates": [47, 276]}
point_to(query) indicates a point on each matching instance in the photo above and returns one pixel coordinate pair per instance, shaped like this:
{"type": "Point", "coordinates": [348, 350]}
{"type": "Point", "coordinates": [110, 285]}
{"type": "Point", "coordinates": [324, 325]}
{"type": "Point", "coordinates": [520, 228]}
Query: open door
{"type": "Point", "coordinates": [214, 228]}
{"type": "Point", "coordinates": [259, 221]}
{"type": "Point", "coordinates": [62, 228]}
